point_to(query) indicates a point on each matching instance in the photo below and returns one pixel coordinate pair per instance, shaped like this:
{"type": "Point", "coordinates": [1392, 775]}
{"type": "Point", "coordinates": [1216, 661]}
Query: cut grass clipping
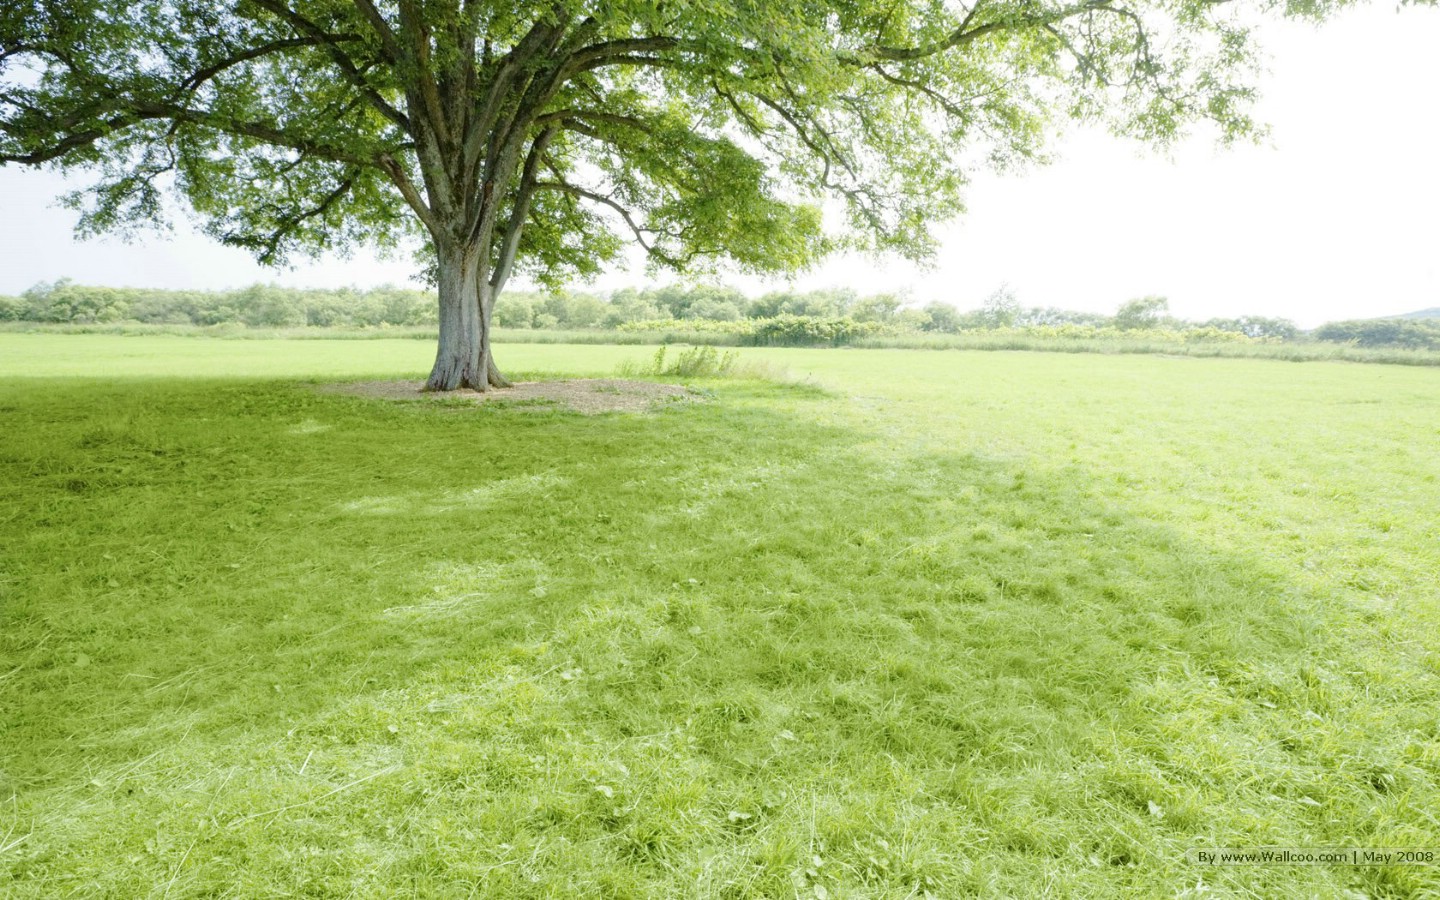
{"type": "Point", "coordinates": [965, 625]}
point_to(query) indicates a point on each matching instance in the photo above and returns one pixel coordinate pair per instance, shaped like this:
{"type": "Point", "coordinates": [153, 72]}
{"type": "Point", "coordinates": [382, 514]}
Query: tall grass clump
{"type": "Point", "coordinates": [695, 362]}
{"type": "Point", "coordinates": [704, 361]}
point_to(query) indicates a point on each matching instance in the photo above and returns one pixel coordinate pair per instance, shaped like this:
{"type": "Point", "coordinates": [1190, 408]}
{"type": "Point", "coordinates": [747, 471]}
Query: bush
{"type": "Point", "coordinates": [877, 308]}
{"type": "Point", "coordinates": [941, 317]}
{"type": "Point", "coordinates": [65, 301]}
{"type": "Point", "coordinates": [714, 310]}
{"type": "Point", "coordinates": [629, 306]}
{"type": "Point", "coordinates": [697, 362]}
{"type": "Point", "coordinates": [267, 306]}
{"type": "Point", "coordinates": [1000, 310]}
{"type": "Point", "coordinates": [702, 361]}
{"type": "Point", "coordinates": [1143, 313]}
{"type": "Point", "coordinates": [1209, 334]}
{"type": "Point", "coordinates": [690, 326]}
{"type": "Point", "coordinates": [1258, 327]}
{"type": "Point", "coordinates": [809, 331]}
{"type": "Point", "coordinates": [779, 331]}
{"type": "Point", "coordinates": [831, 304]}
{"type": "Point", "coordinates": [570, 310]}
{"type": "Point", "coordinates": [1412, 334]}
{"type": "Point", "coordinates": [514, 312]}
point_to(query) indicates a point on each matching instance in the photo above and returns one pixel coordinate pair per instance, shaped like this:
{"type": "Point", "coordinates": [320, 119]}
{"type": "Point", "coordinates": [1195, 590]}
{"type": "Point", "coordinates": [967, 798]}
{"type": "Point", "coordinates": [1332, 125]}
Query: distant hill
{"type": "Point", "coordinates": [1431, 313]}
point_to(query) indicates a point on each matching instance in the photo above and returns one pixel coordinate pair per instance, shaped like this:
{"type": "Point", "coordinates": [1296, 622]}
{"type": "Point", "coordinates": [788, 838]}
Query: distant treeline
{"type": "Point", "coordinates": [257, 306]}
{"type": "Point", "coordinates": [830, 317]}
{"type": "Point", "coordinates": [1410, 334]}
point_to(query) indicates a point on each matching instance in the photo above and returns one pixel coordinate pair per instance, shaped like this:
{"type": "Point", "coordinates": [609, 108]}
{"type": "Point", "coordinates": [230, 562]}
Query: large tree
{"type": "Point", "coordinates": [544, 135]}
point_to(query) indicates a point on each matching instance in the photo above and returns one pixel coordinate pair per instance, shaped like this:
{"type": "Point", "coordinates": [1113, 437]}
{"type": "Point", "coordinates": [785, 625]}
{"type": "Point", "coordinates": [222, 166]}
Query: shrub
{"type": "Point", "coordinates": [514, 312]}
{"type": "Point", "coordinates": [697, 362]}
{"type": "Point", "coordinates": [1145, 312]}
{"type": "Point", "coordinates": [1259, 327]}
{"type": "Point", "coordinates": [809, 331]}
{"type": "Point", "coordinates": [713, 309]}
{"type": "Point", "coordinates": [1414, 334]}
{"type": "Point", "coordinates": [1209, 334]}
{"type": "Point", "coordinates": [941, 317]}
{"type": "Point", "coordinates": [1001, 309]}
{"type": "Point", "coordinates": [65, 301]}
{"type": "Point", "coordinates": [629, 306]}
{"type": "Point", "coordinates": [12, 309]}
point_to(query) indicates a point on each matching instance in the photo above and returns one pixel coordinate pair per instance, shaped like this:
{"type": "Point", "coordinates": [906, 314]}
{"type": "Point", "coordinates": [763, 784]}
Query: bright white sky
{"type": "Point", "coordinates": [1337, 216]}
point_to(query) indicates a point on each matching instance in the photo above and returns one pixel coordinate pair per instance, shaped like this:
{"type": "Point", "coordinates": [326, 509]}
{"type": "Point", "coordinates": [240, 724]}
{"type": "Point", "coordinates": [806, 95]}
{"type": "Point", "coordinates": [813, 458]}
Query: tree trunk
{"type": "Point", "coordinates": [461, 361]}
{"type": "Point", "coordinates": [487, 306]}
{"type": "Point", "coordinates": [497, 378]}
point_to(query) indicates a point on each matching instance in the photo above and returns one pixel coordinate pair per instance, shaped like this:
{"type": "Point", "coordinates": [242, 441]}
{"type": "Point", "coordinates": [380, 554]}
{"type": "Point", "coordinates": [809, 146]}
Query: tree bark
{"type": "Point", "coordinates": [462, 357]}
{"type": "Point", "coordinates": [493, 373]}
{"type": "Point", "coordinates": [486, 298]}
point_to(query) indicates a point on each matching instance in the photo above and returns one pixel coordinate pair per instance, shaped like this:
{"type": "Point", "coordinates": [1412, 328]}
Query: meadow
{"type": "Point", "coordinates": [893, 623]}
{"type": "Point", "coordinates": [1145, 342]}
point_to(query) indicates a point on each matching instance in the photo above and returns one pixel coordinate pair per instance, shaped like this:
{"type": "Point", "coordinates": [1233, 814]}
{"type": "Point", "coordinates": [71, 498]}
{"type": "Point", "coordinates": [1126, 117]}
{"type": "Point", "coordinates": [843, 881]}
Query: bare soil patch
{"type": "Point", "coordinates": [583, 395]}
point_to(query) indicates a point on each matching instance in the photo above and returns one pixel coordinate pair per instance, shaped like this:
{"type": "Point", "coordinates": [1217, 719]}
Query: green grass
{"type": "Point", "coordinates": [1290, 351]}
{"type": "Point", "coordinates": [964, 624]}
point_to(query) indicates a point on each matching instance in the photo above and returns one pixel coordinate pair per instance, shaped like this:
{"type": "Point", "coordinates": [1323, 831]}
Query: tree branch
{"type": "Point", "coordinates": [205, 74]}
{"type": "Point", "coordinates": [381, 28]}
{"type": "Point", "coordinates": [652, 62]}
{"type": "Point", "coordinates": [342, 60]}
{"type": "Point", "coordinates": [597, 55]}
{"type": "Point", "coordinates": [940, 99]}
{"type": "Point", "coordinates": [506, 71]}
{"type": "Point", "coordinates": [966, 34]}
{"type": "Point", "coordinates": [402, 181]}
{"type": "Point", "coordinates": [260, 131]}
{"type": "Point", "coordinates": [269, 245]}
{"type": "Point", "coordinates": [510, 243]}
{"type": "Point", "coordinates": [573, 117]}
{"type": "Point", "coordinates": [509, 136]}
{"type": "Point", "coordinates": [566, 187]}
{"type": "Point", "coordinates": [412, 25]}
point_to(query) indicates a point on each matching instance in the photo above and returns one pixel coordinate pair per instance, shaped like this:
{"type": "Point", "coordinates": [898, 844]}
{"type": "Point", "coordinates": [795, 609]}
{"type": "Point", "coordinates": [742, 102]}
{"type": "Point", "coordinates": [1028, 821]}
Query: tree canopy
{"type": "Point", "coordinates": [542, 137]}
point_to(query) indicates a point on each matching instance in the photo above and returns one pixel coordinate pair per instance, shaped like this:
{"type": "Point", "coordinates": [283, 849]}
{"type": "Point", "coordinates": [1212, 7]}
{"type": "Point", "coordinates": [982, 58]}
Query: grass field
{"type": "Point", "coordinates": [904, 624]}
{"type": "Point", "coordinates": [1164, 344]}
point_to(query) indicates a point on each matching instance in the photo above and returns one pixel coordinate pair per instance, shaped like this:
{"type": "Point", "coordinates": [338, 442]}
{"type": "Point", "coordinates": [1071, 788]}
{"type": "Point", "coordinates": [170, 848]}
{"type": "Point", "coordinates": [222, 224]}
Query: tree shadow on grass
{"type": "Point", "coordinates": [265, 638]}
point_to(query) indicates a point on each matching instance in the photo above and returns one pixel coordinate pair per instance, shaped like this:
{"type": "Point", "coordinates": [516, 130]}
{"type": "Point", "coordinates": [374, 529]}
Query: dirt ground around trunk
{"type": "Point", "coordinates": [583, 395]}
